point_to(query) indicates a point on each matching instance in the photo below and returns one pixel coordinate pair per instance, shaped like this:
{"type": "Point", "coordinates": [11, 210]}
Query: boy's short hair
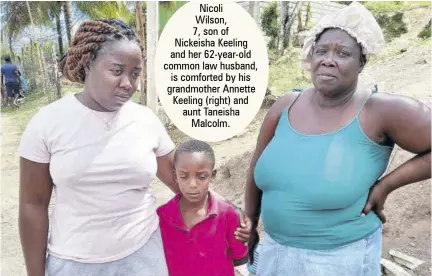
{"type": "Point", "coordinates": [193, 146]}
{"type": "Point", "coordinates": [7, 58]}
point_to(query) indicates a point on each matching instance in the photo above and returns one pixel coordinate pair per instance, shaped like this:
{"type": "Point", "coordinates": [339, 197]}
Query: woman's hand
{"type": "Point", "coordinates": [376, 199]}
{"type": "Point", "coordinates": [243, 232]}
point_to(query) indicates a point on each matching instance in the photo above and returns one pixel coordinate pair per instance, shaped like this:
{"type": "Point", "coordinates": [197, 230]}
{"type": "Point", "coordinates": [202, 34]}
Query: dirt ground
{"type": "Point", "coordinates": [408, 209]}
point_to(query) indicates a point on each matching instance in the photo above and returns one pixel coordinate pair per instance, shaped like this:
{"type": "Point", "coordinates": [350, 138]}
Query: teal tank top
{"type": "Point", "coordinates": [316, 186]}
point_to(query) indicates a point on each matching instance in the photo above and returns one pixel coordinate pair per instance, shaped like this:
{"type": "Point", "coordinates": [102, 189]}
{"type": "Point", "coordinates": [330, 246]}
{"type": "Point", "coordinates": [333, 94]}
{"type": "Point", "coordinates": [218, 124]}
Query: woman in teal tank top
{"type": "Point", "coordinates": [316, 175]}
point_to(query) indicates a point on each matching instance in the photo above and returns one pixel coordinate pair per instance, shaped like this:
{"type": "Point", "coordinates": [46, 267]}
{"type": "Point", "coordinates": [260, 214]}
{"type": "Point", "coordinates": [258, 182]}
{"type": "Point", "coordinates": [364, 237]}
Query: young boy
{"type": "Point", "coordinates": [198, 229]}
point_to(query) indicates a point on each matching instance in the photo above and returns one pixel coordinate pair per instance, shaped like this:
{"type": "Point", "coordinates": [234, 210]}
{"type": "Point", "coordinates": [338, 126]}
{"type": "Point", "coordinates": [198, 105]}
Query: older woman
{"type": "Point", "coordinates": [100, 152]}
{"type": "Point", "coordinates": [315, 174]}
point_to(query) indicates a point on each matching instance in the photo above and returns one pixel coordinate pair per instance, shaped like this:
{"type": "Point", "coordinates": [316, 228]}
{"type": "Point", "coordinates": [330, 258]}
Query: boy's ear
{"type": "Point", "coordinates": [214, 172]}
{"type": "Point", "coordinates": [175, 176]}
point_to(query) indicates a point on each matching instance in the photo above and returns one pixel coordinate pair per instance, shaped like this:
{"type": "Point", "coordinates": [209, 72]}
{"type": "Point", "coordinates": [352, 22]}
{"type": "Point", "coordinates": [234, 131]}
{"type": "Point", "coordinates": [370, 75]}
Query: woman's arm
{"type": "Point", "coordinates": [241, 261]}
{"type": "Point", "coordinates": [252, 193]}
{"type": "Point", "coordinates": [34, 198]}
{"type": "Point", "coordinates": [406, 122]}
{"type": "Point", "coordinates": [165, 171]}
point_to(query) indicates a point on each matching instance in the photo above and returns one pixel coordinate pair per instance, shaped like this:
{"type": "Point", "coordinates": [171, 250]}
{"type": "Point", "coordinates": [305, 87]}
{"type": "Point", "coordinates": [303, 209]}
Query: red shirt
{"type": "Point", "coordinates": [208, 248]}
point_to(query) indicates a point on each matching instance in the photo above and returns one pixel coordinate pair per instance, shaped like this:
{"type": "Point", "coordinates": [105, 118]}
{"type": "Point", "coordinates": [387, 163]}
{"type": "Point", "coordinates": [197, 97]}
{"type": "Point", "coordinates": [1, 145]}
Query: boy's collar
{"type": "Point", "coordinates": [212, 204]}
{"type": "Point", "coordinates": [170, 212]}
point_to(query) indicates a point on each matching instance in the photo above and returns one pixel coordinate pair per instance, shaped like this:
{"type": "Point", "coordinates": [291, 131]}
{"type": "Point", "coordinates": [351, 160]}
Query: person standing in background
{"type": "Point", "coordinates": [10, 78]}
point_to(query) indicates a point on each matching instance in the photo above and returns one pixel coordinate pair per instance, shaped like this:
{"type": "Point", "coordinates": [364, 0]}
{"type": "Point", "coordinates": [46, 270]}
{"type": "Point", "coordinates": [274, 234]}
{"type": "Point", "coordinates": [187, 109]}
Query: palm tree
{"type": "Point", "coordinates": [108, 9]}
{"type": "Point", "coordinates": [68, 20]}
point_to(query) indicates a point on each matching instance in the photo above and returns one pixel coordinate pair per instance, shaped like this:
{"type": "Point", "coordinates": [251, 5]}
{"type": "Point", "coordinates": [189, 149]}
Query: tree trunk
{"type": "Point", "coordinates": [152, 38]}
{"type": "Point", "coordinates": [68, 16]}
{"type": "Point", "coordinates": [59, 33]}
{"type": "Point", "coordinates": [251, 6]}
{"type": "Point", "coordinates": [283, 19]}
{"type": "Point", "coordinates": [22, 61]}
{"type": "Point", "coordinates": [10, 47]}
{"type": "Point", "coordinates": [141, 33]}
{"type": "Point", "coordinates": [42, 70]}
{"type": "Point", "coordinates": [286, 21]}
{"type": "Point", "coordinates": [32, 72]}
{"type": "Point", "coordinates": [56, 74]}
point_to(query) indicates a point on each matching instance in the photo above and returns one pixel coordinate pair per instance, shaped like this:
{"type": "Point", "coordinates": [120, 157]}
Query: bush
{"type": "Point", "coordinates": [426, 32]}
{"type": "Point", "coordinates": [393, 26]}
{"type": "Point", "coordinates": [270, 23]}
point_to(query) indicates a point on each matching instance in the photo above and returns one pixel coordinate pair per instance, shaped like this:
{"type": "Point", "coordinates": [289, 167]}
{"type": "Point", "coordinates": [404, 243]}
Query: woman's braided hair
{"type": "Point", "coordinates": [88, 41]}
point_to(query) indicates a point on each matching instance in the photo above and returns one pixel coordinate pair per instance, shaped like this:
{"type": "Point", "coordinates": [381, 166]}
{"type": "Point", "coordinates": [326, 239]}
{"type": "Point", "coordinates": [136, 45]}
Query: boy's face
{"type": "Point", "coordinates": [193, 173]}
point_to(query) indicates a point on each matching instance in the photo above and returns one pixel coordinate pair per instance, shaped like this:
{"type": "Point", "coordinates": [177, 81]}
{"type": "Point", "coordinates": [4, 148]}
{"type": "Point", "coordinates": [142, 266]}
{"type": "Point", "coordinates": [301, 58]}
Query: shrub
{"type": "Point", "coordinates": [426, 32]}
{"type": "Point", "coordinates": [393, 26]}
{"type": "Point", "coordinates": [270, 23]}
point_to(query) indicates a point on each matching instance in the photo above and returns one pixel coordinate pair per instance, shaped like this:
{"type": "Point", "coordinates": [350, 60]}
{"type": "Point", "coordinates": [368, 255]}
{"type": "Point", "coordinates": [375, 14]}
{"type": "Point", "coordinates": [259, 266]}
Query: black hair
{"type": "Point", "coordinates": [363, 58]}
{"type": "Point", "coordinates": [7, 58]}
{"type": "Point", "coordinates": [193, 146]}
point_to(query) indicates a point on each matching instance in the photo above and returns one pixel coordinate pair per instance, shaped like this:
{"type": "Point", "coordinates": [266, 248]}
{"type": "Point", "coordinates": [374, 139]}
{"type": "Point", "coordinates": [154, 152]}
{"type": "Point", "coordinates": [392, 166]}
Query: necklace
{"type": "Point", "coordinates": [106, 122]}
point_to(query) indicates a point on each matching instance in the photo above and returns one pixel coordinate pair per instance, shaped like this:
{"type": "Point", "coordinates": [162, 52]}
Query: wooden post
{"type": "Point", "coordinates": [152, 40]}
{"type": "Point", "coordinates": [140, 28]}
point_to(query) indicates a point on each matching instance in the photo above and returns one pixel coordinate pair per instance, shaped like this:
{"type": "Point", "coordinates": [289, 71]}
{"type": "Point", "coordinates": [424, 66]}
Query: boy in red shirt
{"type": "Point", "coordinates": [198, 229]}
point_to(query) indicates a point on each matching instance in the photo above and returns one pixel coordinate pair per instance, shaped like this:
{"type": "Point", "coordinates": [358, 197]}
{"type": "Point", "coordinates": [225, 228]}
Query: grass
{"type": "Point", "coordinates": [33, 102]}
{"type": "Point", "coordinates": [286, 74]}
{"type": "Point", "coordinates": [413, 43]}
{"type": "Point", "coordinates": [22, 115]}
{"type": "Point", "coordinates": [390, 6]}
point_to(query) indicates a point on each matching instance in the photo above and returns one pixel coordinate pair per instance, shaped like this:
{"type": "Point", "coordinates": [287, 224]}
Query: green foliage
{"type": "Point", "coordinates": [15, 15]}
{"type": "Point", "coordinates": [393, 26]}
{"type": "Point", "coordinates": [4, 50]}
{"type": "Point", "coordinates": [270, 23]}
{"type": "Point", "coordinates": [106, 9]}
{"type": "Point", "coordinates": [391, 6]}
{"type": "Point", "coordinates": [426, 31]}
{"type": "Point", "coordinates": [384, 6]}
{"type": "Point", "coordinates": [285, 73]}
{"type": "Point", "coordinates": [166, 10]}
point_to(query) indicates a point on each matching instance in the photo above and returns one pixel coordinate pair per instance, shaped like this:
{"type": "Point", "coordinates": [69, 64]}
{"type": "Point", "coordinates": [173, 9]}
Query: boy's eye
{"type": "Point", "coordinates": [117, 71]}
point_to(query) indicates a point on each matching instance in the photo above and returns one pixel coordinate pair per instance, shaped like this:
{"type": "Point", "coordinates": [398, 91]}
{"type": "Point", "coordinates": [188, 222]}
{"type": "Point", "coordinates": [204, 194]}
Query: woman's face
{"type": "Point", "coordinates": [335, 62]}
{"type": "Point", "coordinates": [113, 76]}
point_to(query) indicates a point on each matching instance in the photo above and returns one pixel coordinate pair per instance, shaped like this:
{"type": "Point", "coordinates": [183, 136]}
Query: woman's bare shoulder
{"type": "Point", "coordinates": [389, 104]}
{"type": "Point", "coordinates": [282, 103]}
